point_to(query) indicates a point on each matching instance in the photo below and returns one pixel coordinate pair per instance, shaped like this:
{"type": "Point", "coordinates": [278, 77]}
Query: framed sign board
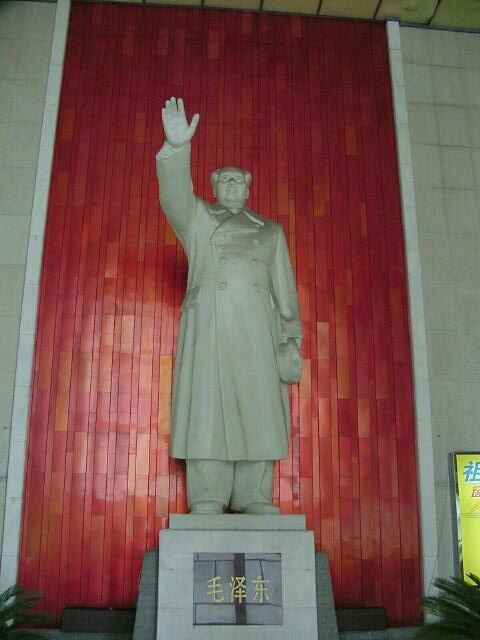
{"type": "Point", "coordinates": [465, 482]}
{"type": "Point", "coordinates": [237, 588]}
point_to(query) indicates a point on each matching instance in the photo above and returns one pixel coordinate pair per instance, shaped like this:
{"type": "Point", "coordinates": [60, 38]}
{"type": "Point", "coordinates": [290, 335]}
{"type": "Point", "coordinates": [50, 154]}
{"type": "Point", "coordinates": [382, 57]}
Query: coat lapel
{"type": "Point", "coordinates": [218, 214]}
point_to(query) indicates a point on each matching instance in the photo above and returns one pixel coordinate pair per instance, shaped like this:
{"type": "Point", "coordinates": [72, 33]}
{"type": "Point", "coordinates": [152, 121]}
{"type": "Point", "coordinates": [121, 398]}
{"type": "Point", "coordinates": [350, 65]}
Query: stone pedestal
{"type": "Point", "coordinates": [257, 539]}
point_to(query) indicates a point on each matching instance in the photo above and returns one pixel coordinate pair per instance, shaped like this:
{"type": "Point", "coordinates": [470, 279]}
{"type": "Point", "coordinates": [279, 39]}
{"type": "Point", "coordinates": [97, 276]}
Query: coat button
{"type": "Point", "coordinates": [222, 285]}
{"type": "Point", "coordinates": [222, 260]}
{"type": "Point", "coordinates": [254, 262]}
{"type": "Point", "coordinates": [256, 287]}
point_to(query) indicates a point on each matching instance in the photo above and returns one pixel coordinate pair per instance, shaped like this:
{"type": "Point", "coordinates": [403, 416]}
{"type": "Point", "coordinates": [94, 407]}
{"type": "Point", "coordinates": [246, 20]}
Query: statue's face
{"type": "Point", "coordinates": [231, 189]}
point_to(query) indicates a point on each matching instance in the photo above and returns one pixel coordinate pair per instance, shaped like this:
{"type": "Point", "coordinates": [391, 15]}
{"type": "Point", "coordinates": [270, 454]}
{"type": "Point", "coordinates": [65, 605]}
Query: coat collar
{"type": "Point", "coordinates": [217, 211]}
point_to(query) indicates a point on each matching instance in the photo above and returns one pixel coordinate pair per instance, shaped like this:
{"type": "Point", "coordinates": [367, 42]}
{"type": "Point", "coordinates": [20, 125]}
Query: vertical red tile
{"type": "Point", "coordinates": [305, 105]}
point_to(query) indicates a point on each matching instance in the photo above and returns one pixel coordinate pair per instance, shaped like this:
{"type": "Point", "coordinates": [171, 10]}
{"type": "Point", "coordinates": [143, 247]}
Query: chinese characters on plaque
{"type": "Point", "coordinates": [237, 588]}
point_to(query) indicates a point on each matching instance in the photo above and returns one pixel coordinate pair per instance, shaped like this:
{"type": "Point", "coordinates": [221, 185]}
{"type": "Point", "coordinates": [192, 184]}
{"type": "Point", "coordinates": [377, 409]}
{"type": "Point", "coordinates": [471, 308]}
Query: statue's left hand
{"type": "Point", "coordinates": [290, 361]}
{"type": "Point", "coordinates": [177, 130]}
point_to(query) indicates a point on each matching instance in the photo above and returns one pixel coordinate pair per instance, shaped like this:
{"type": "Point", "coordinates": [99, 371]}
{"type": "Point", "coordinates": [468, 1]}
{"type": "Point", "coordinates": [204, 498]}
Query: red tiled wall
{"type": "Point", "coordinates": [305, 105]}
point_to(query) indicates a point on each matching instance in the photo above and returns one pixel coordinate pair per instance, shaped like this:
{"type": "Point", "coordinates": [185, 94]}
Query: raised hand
{"type": "Point", "coordinates": [177, 130]}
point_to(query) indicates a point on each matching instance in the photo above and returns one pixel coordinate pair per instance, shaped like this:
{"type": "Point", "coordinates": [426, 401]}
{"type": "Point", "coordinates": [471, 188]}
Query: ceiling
{"type": "Point", "coordinates": [453, 14]}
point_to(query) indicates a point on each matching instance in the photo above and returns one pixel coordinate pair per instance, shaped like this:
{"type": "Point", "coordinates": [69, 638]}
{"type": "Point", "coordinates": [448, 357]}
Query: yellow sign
{"type": "Point", "coordinates": [467, 467]}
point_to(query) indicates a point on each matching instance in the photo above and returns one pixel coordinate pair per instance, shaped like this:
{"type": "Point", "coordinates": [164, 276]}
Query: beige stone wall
{"type": "Point", "coordinates": [26, 30]}
{"type": "Point", "coordinates": [442, 83]}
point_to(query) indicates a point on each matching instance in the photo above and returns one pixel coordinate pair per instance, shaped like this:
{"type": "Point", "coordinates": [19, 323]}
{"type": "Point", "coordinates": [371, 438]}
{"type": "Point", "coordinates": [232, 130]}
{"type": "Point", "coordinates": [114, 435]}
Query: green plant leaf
{"type": "Point", "coordinates": [10, 593]}
{"type": "Point", "coordinates": [457, 607]}
{"type": "Point", "coordinates": [17, 609]}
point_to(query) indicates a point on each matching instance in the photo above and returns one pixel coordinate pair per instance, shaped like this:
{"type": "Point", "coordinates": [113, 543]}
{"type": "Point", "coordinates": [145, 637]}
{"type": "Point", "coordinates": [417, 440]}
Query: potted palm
{"type": "Point", "coordinates": [456, 609]}
{"type": "Point", "coordinates": [17, 609]}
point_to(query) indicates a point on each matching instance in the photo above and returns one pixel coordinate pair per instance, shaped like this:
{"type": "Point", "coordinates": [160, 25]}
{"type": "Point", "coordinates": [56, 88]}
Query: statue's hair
{"type": "Point", "coordinates": [215, 175]}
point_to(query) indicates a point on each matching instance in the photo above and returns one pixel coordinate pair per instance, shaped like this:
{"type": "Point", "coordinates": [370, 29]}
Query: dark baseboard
{"type": "Point", "coordinates": [93, 620]}
{"type": "Point", "coordinates": [361, 619]}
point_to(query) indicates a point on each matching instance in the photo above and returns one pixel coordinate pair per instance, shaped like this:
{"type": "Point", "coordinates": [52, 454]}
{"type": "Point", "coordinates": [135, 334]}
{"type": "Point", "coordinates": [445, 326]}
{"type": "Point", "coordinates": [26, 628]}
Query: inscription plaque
{"type": "Point", "coordinates": [237, 588]}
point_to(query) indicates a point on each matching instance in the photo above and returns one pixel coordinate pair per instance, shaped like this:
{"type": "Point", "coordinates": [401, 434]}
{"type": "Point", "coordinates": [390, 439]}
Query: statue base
{"type": "Point", "coordinates": [245, 576]}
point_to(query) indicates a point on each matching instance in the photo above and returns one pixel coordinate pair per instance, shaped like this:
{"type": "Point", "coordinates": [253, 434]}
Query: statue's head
{"type": "Point", "coordinates": [230, 186]}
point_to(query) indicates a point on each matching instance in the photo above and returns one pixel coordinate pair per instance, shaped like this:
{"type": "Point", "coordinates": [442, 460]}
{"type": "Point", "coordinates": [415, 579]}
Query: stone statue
{"type": "Point", "coordinates": [239, 337]}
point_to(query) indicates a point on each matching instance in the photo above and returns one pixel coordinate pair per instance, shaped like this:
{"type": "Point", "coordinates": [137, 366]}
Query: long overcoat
{"type": "Point", "coordinates": [241, 302]}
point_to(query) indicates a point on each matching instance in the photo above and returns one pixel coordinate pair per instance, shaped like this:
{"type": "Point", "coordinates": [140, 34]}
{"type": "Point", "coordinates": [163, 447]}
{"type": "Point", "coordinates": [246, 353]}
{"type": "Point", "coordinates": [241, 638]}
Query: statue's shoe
{"type": "Point", "coordinates": [262, 508]}
{"type": "Point", "coordinates": [208, 507]}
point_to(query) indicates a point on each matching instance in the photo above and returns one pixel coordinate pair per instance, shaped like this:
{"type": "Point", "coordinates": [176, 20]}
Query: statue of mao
{"type": "Point", "coordinates": [239, 336]}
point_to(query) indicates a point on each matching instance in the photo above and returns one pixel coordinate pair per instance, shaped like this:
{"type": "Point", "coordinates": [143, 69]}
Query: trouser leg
{"type": "Point", "coordinates": [252, 487]}
{"type": "Point", "coordinates": [209, 485]}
